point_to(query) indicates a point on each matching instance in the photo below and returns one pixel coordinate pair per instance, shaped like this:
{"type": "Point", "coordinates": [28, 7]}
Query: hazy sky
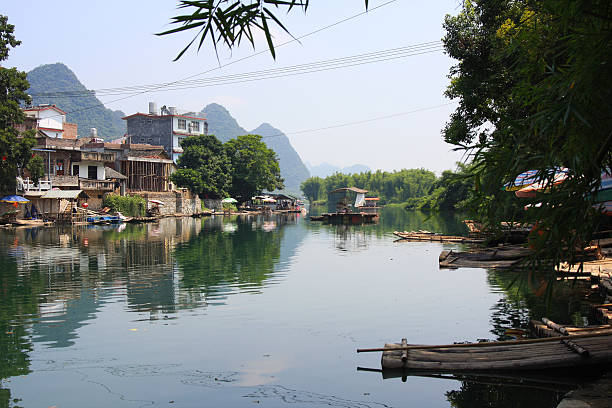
{"type": "Point", "coordinates": [112, 44]}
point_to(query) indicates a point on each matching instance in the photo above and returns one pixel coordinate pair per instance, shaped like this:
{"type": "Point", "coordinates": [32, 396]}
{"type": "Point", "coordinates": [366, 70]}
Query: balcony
{"type": "Point", "coordinates": [97, 156]}
{"type": "Point", "coordinates": [65, 181]}
{"type": "Point", "coordinates": [103, 185]}
{"type": "Point", "coordinates": [28, 186]}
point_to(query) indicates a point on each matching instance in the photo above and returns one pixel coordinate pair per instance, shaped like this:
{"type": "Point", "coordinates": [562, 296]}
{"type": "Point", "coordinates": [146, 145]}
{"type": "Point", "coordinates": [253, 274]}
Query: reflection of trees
{"type": "Point", "coordinates": [19, 297]}
{"type": "Point", "coordinates": [531, 295]}
{"type": "Point", "coordinates": [215, 260]}
{"type": "Point", "coordinates": [397, 219]}
{"type": "Point", "coordinates": [501, 395]}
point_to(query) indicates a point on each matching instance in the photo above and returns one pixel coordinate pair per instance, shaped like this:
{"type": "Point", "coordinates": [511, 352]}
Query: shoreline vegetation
{"type": "Point", "coordinates": [411, 189]}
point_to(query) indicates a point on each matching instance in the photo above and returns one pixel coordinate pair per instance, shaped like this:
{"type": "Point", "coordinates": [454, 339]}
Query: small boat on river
{"type": "Point", "coordinates": [516, 355]}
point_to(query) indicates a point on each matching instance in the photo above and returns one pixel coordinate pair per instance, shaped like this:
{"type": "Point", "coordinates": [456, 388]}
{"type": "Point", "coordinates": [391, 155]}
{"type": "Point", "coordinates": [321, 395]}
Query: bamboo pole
{"type": "Point", "coordinates": [486, 344]}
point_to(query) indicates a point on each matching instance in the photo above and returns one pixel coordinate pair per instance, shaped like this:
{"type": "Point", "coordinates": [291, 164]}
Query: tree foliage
{"type": "Point", "coordinates": [230, 22]}
{"type": "Point", "coordinates": [255, 168]}
{"type": "Point", "coordinates": [15, 151]}
{"type": "Point", "coordinates": [533, 83]}
{"type": "Point", "coordinates": [452, 191]}
{"type": "Point", "coordinates": [204, 167]}
{"type": "Point", "coordinates": [390, 187]}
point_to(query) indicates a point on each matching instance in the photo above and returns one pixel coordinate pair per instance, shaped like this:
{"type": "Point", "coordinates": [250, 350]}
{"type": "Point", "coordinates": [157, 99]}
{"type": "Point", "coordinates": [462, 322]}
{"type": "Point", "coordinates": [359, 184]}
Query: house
{"type": "Point", "coordinates": [50, 120]}
{"type": "Point", "coordinates": [165, 128]}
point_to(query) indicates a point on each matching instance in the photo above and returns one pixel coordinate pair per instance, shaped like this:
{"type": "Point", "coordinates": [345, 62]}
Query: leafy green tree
{"type": "Point", "coordinates": [204, 167]}
{"type": "Point", "coordinates": [230, 22]}
{"type": "Point", "coordinates": [311, 188]}
{"type": "Point", "coordinates": [534, 81]}
{"type": "Point", "coordinates": [36, 168]}
{"type": "Point", "coordinates": [255, 168]}
{"type": "Point", "coordinates": [15, 150]}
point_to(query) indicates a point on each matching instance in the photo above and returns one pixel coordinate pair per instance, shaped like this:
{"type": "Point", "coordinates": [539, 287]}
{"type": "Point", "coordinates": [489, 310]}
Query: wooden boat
{"type": "Point", "coordinates": [316, 218]}
{"type": "Point", "coordinates": [498, 257]}
{"type": "Point", "coordinates": [533, 354]}
{"type": "Point", "coordinates": [430, 236]}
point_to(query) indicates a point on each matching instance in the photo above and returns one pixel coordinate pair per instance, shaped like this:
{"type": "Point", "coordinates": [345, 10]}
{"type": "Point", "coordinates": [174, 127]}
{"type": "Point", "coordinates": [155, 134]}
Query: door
{"type": "Point", "coordinates": [92, 172]}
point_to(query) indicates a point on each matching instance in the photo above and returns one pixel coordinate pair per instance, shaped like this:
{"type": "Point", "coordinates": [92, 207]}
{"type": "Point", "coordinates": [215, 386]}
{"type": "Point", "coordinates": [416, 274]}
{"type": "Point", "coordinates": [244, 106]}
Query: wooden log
{"type": "Point", "coordinates": [404, 352]}
{"type": "Point", "coordinates": [486, 344]}
{"type": "Point", "coordinates": [555, 326]}
{"type": "Point", "coordinates": [575, 347]}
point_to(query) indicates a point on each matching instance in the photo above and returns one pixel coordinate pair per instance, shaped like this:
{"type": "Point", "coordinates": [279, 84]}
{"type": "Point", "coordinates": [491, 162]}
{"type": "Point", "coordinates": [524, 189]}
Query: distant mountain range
{"type": "Point", "coordinates": [326, 169]}
{"type": "Point", "coordinates": [57, 84]}
{"type": "Point", "coordinates": [225, 127]}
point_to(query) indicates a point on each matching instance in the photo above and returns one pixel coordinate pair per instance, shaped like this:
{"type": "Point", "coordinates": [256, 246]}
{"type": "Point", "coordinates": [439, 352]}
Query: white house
{"type": "Point", "coordinates": [51, 120]}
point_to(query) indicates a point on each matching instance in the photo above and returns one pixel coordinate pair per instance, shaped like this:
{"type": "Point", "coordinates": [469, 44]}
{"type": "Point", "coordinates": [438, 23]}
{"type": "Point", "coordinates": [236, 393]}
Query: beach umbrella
{"type": "Point", "coordinates": [522, 180]}
{"type": "Point", "coordinates": [530, 190]}
{"type": "Point", "coordinates": [156, 202]}
{"type": "Point", "coordinates": [229, 200]}
{"type": "Point", "coordinates": [14, 199]}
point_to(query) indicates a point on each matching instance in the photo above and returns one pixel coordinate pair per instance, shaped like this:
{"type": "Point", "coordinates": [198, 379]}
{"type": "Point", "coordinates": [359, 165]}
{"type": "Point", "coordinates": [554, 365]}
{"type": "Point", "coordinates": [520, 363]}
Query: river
{"type": "Point", "coordinates": [253, 311]}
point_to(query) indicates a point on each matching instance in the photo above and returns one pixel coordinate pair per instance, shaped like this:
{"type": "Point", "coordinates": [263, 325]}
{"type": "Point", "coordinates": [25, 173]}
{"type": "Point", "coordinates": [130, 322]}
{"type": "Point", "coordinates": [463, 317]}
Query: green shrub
{"type": "Point", "coordinates": [130, 206]}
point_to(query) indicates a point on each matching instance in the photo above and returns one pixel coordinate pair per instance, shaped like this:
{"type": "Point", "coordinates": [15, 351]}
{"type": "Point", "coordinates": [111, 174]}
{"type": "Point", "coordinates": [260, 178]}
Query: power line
{"type": "Point", "coordinates": [358, 122]}
{"type": "Point", "coordinates": [295, 39]}
{"type": "Point", "coordinates": [326, 65]}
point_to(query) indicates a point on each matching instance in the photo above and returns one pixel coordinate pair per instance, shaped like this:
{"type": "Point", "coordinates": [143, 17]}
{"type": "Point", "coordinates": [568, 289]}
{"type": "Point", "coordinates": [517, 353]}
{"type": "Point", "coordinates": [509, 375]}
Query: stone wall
{"type": "Point", "coordinates": [175, 202]}
{"type": "Point", "coordinates": [213, 204]}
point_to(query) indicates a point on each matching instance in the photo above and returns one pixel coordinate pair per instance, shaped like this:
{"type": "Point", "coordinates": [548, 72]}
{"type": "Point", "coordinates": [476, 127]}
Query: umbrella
{"type": "Point", "coordinates": [522, 180]}
{"type": "Point", "coordinates": [530, 190]}
{"type": "Point", "coordinates": [229, 200]}
{"type": "Point", "coordinates": [14, 199]}
{"type": "Point", "coordinates": [268, 200]}
{"type": "Point", "coordinates": [156, 202]}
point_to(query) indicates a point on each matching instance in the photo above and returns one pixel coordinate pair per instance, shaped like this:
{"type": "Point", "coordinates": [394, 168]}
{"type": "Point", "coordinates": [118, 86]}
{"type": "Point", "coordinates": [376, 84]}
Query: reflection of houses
{"type": "Point", "coordinates": [165, 128]}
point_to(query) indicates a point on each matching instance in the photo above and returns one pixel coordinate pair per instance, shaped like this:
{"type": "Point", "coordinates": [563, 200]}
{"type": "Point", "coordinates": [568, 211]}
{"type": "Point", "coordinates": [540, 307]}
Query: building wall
{"type": "Point", "coordinates": [70, 130]}
{"type": "Point", "coordinates": [84, 169]}
{"type": "Point", "coordinates": [53, 133]}
{"type": "Point", "coordinates": [151, 130]}
{"type": "Point", "coordinates": [50, 118]}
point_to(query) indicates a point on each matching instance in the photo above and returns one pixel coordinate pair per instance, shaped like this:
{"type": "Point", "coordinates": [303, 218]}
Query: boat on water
{"type": "Point", "coordinates": [516, 355]}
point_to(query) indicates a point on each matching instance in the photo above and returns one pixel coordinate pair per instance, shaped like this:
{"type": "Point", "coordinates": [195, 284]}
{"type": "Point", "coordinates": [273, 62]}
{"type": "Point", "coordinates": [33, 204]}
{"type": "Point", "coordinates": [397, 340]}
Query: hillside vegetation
{"type": "Point", "coordinates": [50, 84]}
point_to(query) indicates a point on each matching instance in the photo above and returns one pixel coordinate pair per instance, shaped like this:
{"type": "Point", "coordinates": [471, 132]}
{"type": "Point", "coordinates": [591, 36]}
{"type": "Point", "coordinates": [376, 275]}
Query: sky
{"type": "Point", "coordinates": [395, 109]}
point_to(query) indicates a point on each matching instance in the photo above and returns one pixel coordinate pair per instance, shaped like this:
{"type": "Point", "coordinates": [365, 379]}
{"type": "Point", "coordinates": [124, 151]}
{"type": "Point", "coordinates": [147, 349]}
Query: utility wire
{"type": "Point", "coordinates": [359, 122]}
{"type": "Point", "coordinates": [295, 39]}
{"type": "Point", "coordinates": [326, 65]}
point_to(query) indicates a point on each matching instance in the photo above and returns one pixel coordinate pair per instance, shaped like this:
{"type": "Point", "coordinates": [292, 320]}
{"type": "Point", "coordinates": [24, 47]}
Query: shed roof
{"type": "Point", "coordinates": [353, 189]}
{"type": "Point", "coordinates": [113, 174]}
{"type": "Point", "coordinates": [64, 194]}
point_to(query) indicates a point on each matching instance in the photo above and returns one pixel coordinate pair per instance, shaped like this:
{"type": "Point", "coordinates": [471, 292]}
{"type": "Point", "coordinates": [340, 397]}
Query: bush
{"type": "Point", "coordinates": [130, 206]}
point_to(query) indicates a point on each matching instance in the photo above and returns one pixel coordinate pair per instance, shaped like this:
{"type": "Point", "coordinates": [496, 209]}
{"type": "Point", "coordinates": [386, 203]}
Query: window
{"type": "Point", "coordinates": [182, 124]}
{"type": "Point", "coordinates": [75, 170]}
{"type": "Point", "coordinates": [195, 126]}
{"type": "Point", "coordinates": [92, 172]}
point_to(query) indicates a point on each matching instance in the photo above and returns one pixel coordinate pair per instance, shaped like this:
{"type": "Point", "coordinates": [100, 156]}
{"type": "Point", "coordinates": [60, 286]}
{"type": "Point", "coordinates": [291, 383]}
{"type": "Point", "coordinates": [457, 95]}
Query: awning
{"type": "Point", "coordinates": [113, 174]}
{"type": "Point", "coordinates": [65, 194]}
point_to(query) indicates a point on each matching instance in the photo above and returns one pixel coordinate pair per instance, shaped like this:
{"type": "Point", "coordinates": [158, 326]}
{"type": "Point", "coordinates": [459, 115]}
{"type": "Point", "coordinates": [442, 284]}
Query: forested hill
{"type": "Point", "coordinates": [57, 79]}
{"type": "Point", "coordinates": [225, 127]}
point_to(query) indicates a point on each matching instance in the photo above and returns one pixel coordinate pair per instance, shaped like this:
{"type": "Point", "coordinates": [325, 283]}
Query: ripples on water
{"type": "Point", "coordinates": [236, 311]}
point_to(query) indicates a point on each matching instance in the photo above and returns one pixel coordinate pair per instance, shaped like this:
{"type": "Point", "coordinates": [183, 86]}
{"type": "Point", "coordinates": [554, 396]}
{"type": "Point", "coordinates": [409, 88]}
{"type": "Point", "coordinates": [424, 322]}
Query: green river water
{"type": "Point", "coordinates": [254, 311]}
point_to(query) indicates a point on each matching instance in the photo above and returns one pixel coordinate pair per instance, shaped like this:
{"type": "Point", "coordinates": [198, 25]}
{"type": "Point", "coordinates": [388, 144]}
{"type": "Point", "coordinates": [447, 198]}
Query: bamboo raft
{"type": "Point", "coordinates": [430, 236]}
{"type": "Point", "coordinates": [498, 257]}
{"type": "Point", "coordinates": [516, 355]}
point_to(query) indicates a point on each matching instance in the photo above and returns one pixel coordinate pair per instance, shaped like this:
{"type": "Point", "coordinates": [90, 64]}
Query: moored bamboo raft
{"type": "Point", "coordinates": [533, 354]}
{"type": "Point", "coordinates": [430, 236]}
{"type": "Point", "coordinates": [498, 257]}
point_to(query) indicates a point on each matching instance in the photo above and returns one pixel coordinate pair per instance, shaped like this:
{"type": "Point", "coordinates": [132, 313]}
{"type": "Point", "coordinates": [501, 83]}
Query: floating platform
{"type": "Point", "coordinates": [430, 236]}
{"type": "Point", "coordinates": [520, 355]}
{"type": "Point", "coordinates": [347, 218]}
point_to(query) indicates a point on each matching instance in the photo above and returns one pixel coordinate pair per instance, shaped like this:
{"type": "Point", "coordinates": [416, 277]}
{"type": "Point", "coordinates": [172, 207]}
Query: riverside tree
{"type": "Point", "coordinates": [15, 150]}
{"type": "Point", "coordinates": [534, 81]}
{"type": "Point", "coordinates": [254, 167]}
{"type": "Point", "coordinates": [204, 167]}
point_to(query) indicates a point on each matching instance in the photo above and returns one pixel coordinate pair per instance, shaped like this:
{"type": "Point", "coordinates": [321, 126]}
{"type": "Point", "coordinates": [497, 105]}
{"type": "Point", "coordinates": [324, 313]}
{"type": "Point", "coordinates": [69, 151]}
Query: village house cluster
{"type": "Point", "coordinates": [82, 169]}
